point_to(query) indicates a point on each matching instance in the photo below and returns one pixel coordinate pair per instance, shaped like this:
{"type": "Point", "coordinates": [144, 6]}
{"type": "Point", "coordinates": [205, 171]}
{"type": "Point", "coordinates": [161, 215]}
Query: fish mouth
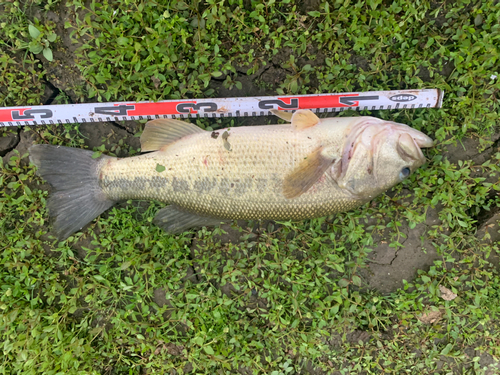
{"type": "Point", "coordinates": [411, 142]}
{"type": "Point", "coordinates": [422, 140]}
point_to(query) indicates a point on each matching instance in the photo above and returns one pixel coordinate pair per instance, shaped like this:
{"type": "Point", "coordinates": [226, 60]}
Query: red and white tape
{"type": "Point", "coordinates": [218, 107]}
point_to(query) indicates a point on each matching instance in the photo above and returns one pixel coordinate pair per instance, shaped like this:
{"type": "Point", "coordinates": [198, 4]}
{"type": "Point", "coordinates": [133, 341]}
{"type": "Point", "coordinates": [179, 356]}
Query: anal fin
{"type": "Point", "coordinates": [174, 220]}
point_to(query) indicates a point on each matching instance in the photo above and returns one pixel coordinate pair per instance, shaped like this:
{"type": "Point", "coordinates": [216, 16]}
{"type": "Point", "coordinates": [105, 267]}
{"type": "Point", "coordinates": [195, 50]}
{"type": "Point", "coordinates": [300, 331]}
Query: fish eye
{"type": "Point", "coordinates": [405, 172]}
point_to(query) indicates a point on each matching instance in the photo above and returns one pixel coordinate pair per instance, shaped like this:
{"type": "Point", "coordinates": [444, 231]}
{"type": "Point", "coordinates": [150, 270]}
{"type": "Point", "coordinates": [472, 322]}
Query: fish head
{"type": "Point", "coordinates": [377, 155]}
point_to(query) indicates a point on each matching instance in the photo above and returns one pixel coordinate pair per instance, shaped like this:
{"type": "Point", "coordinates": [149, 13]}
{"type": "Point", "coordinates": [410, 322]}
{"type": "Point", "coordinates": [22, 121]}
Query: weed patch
{"type": "Point", "coordinates": [121, 296]}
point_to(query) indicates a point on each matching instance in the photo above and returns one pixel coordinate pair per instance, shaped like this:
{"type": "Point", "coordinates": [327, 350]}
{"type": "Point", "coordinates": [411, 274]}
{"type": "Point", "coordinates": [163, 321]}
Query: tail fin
{"type": "Point", "coordinates": [77, 197]}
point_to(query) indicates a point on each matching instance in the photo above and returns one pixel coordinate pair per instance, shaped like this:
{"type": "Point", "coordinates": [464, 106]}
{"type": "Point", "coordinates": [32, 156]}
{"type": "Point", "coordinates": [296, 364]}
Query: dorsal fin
{"type": "Point", "coordinates": [287, 116]}
{"type": "Point", "coordinates": [303, 119]}
{"type": "Point", "coordinates": [161, 132]}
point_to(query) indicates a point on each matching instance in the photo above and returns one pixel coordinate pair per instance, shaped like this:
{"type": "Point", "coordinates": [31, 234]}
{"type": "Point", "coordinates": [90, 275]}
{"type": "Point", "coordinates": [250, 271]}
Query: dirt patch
{"type": "Point", "coordinates": [260, 83]}
{"type": "Point", "coordinates": [96, 134]}
{"type": "Point", "coordinates": [62, 72]}
{"type": "Point", "coordinates": [309, 5]}
{"type": "Point", "coordinates": [489, 234]}
{"type": "Point", "coordinates": [159, 297]}
{"type": "Point", "coordinates": [26, 138]}
{"type": "Point", "coordinates": [472, 149]}
{"type": "Point", "coordinates": [84, 245]}
{"type": "Point", "coordinates": [389, 266]}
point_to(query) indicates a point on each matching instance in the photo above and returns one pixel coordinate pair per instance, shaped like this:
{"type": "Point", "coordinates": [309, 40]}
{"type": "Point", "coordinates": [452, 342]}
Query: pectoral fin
{"type": "Point", "coordinates": [173, 220]}
{"type": "Point", "coordinates": [162, 132]}
{"type": "Point", "coordinates": [308, 172]}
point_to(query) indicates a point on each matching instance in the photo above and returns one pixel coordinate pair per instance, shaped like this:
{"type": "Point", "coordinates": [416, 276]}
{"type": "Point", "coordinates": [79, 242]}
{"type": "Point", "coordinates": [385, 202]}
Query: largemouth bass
{"type": "Point", "coordinates": [309, 168]}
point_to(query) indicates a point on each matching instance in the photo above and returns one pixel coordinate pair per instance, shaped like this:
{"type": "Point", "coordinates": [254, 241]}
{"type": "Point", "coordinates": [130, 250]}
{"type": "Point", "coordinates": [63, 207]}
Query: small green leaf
{"type": "Point", "coordinates": [159, 168]}
{"type": "Point", "coordinates": [13, 185]}
{"type": "Point", "coordinates": [47, 53]}
{"type": "Point", "coordinates": [478, 20]}
{"type": "Point", "coordinates": [198, 340]}
{"type": "Point", "coordinates": [122, 41]}
{"type": "Point", "coordinates": [181, 5]}
{"type": "Point", "coordinates": [96, 154]}
{"type": "Point", "coordinates": [356, 280]}
{"type": "Point", "coordinates": [208, 349]}
{"type": "Point", "coordinates": [52, 37]}
{"type": "Point", "coordinates": [426, 279]}
{"type": "Point", "coordinates": [314, 13]}
{"type": "Point", "coordinates": [125, 265]}
{"type": "Point", "coordinates": [343, 283]}
{"type": "Point", "coordinates": [216, 74]}
{"type": "Point", "coordinates": [34, 32]}
{"type": "Point", "coordinates": [36, 48]}
{"type": "Point", "coordinates": [447, 349]}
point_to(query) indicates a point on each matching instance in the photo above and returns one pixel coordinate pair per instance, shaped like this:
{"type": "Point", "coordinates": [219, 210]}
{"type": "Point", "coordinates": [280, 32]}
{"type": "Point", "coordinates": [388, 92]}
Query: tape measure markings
{"type": "Point", "coordinates": [218, 107]}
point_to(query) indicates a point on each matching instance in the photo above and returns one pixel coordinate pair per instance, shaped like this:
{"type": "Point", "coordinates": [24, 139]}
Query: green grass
{"type": "Point", "coordinates": [121, 297]}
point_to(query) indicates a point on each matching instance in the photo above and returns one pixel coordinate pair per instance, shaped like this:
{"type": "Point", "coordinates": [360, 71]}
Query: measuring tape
{"type": "Point", "coordinates": [218, 107]}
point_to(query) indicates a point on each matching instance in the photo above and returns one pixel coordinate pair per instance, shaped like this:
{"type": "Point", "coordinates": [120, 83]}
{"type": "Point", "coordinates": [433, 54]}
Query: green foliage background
{"type": "Point", "coordinates": [275, 303]}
